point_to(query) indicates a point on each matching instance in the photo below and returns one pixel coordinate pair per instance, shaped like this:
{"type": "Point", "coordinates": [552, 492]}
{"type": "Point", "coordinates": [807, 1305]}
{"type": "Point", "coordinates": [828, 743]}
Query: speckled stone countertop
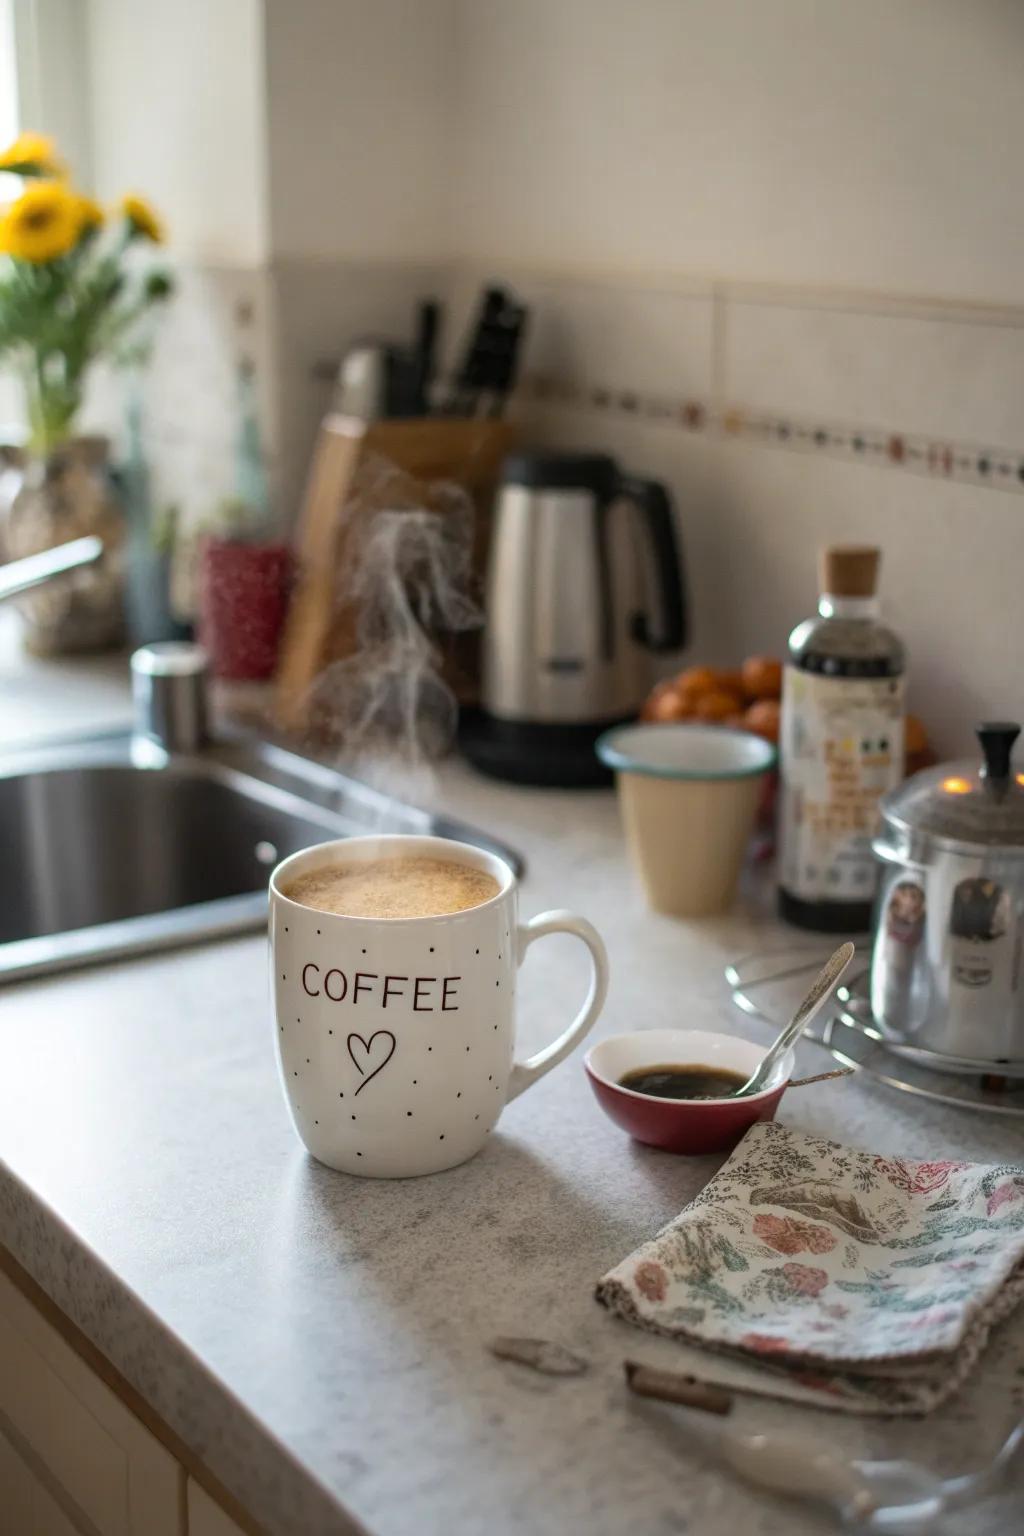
{"type": "Point", "coordinates": [318, 1341]}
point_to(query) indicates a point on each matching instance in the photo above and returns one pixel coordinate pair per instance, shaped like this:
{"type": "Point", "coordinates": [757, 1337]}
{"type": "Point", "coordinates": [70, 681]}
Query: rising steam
{"type": "Point", "coordinates": [406, 580]}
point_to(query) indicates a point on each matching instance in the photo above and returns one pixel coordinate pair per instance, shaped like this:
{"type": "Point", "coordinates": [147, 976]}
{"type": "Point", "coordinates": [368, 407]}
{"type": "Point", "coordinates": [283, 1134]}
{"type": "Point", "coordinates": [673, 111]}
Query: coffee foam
{"type": "Point", "coordinates": [389, 888]}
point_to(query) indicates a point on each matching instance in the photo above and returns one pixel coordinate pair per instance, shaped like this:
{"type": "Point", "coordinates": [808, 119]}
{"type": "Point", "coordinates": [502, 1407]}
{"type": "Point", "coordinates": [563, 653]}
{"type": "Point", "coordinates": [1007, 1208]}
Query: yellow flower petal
{"type": "Point", "coordinates": [31, 153]}
{"type": "Point", "coordinates": [90, 214]}
{"type": "Point", "coordinates": [142, 218]}
{"type": "Point", "coordinates": [42, 224]}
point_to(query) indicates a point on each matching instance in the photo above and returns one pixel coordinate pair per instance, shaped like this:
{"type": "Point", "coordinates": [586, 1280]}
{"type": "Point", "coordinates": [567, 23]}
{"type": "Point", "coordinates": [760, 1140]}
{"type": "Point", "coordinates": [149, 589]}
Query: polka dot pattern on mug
{"type": "Point", "coordinates": [389, 1023]}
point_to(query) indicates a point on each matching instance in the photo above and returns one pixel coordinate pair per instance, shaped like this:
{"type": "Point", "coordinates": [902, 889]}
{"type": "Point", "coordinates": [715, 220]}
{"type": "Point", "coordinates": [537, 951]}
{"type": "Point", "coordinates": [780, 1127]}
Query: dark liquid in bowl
{"type": "Point", "coordinates": [684, 1082]}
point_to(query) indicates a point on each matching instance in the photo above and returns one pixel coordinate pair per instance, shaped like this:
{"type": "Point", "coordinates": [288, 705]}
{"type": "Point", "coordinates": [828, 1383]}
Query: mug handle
{"type": "Point", "coordinates": [525, 1073]}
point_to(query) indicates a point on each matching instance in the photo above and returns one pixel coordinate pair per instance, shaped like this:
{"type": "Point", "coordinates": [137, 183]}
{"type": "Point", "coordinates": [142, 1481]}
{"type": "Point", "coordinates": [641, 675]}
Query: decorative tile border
{"type": "Point", "coordinates": [1001, 468]}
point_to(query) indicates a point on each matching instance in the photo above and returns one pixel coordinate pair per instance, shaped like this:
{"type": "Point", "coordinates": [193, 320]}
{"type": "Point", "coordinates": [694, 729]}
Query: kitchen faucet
{"type": "Point", "coordinates": [168, 680]}
{"type": "Point", "coordinates": [19, 576]}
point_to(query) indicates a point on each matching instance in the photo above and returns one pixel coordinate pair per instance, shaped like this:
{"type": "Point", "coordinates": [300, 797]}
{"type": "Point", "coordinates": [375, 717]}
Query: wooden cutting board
{"type": "Point", "coordinates": [335, 457]}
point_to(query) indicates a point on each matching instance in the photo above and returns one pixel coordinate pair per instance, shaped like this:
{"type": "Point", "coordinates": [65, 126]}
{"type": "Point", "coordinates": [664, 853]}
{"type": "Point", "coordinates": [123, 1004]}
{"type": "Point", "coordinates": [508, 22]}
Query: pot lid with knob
{"type": "Point", "coordinates": [971, 806]}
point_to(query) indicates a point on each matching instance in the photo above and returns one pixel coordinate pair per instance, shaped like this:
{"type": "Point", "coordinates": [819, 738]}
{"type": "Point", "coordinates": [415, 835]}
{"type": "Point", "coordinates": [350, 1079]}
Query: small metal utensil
{"type": "Point", "coordinates": [821, 990]}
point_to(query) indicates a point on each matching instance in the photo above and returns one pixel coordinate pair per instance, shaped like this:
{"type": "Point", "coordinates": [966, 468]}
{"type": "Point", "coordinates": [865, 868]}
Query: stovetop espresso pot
{"type": "Point", "coordinates": [946, 973]}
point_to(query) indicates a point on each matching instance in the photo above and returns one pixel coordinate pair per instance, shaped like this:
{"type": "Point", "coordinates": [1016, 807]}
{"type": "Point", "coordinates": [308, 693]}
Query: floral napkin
{"type": "Point", "coordinates": [865, 1283]}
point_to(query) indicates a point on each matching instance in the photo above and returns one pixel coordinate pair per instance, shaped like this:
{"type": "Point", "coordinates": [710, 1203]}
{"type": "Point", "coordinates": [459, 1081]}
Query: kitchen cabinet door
{"type": "Point", "coordinates": [205, 1517]}
{"type": "Point", "coordinates": [27, 1508]}
{"type": "Point", "coordinates": [90, 1444]}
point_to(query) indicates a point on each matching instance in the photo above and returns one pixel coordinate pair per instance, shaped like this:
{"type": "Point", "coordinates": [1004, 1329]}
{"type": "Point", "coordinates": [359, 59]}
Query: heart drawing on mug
{"type": "Point", "coordinates": [367, 1057]}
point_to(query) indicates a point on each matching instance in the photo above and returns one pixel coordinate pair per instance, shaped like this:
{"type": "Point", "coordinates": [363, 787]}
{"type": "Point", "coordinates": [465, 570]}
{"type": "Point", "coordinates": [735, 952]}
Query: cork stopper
{"type": "Point", "coordinates": [850, 570]}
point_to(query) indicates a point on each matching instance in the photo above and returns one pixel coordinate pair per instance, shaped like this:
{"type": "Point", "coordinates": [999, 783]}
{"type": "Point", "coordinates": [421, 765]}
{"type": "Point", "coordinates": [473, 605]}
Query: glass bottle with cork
{"type": "Point", "coordinates": [840, 749]}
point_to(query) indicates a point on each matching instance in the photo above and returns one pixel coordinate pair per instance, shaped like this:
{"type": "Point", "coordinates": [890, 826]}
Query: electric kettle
{"type": "Point", "coordinates": [578, 551]}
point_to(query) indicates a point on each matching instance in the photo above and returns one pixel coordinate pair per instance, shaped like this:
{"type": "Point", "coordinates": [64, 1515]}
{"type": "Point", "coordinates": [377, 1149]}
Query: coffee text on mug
{"type": "Point", "coordinates": [428, 993]}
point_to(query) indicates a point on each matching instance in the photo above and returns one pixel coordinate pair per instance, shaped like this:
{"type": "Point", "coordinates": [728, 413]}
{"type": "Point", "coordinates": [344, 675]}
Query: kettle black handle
{"type": "Point", "coordinates": [652, 499]}
{"type": "Point", "coordinates": [997, 738]}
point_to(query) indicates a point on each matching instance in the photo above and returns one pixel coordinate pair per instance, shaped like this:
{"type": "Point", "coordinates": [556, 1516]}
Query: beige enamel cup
{"type": "Point", "coordinates": [689, 795]}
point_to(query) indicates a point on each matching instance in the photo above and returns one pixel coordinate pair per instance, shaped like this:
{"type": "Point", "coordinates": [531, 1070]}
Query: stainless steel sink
{"type": "Point", "coordinates": [113, 847]}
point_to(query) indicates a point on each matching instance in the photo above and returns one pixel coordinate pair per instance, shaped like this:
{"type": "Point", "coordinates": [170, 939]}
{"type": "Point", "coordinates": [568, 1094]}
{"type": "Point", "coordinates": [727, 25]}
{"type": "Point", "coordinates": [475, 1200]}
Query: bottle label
{"type": "Point", "coordinates": [840, 751]}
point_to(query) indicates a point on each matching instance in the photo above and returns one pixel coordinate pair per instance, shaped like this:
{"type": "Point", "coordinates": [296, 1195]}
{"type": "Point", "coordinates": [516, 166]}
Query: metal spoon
{"type": "Point", "coordinates": [824, 982]}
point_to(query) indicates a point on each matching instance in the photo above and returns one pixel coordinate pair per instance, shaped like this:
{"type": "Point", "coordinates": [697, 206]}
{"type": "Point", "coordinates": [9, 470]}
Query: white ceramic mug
{"type": "Point", "coordinates": [395, 1036]}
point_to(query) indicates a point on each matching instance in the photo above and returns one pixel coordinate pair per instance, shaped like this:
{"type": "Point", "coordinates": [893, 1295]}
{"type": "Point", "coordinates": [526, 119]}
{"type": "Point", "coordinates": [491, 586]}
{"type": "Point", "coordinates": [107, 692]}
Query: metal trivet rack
{"type": "Point", "coordinates": [768, 985]}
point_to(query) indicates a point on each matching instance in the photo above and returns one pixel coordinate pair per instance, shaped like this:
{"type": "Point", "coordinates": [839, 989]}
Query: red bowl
{"type": "Point", "coordinates": [682, 1125]}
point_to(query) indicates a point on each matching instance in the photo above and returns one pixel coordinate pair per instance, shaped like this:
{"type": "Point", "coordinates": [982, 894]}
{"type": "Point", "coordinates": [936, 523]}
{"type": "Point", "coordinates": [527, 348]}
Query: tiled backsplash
{"type": "Point", "coordinates": [319, 309]}
{"type": "Point", "coordinates": [941, 373]}
{"type": "Point", "coordinates": [782, 422]}
{"type": "Point", "coordinates": [908, 387]}
{"type": "Point", "coordinates": [928, 389]}
{"type": "Point", "coordinates": [779, 420]}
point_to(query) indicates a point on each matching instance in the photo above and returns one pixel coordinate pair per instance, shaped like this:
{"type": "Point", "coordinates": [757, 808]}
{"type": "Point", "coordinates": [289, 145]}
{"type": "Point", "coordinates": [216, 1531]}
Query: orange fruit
{"type": "Point", "coordinates": [762, 677]}
{"type": "Point", "coordinates": [763, 719]}
{"type": "Point", "coordinates": [716, 705]}
{"type": "Point", "coordinates": [697, 680]}
{"type": "Point", "coordinates": [915, 737]}
{"type": "Point", "coordinates": [665, 702]}
{"type": "Point", "coordinates": [730, 680]}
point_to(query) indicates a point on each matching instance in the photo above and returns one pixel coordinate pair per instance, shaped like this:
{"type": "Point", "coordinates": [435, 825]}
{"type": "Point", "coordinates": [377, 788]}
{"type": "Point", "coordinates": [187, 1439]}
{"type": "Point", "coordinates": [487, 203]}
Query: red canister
{"type": "Point", "coordinates": [243, 596]}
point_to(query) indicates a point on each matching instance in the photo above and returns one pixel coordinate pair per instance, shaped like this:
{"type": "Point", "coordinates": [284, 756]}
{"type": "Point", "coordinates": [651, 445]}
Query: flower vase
{"type": "Point", "coordinates": [66, 495]}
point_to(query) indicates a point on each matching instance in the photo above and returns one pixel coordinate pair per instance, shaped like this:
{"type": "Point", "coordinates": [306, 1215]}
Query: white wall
{"type": "Point", "coordinates": [858, 143]}
{"type": "Point", "coordinates": [299, 152]}
{"type": "Point", "coordinates": [869, 145]}
{"type": "Point", "coordinates": [360, 149]}
{"type": "Point", "coordinates": [291, 129]}
{"type": "Point", "coordinates": [53, 76]}
{"type": "Point", "coordinates": [178, 114]}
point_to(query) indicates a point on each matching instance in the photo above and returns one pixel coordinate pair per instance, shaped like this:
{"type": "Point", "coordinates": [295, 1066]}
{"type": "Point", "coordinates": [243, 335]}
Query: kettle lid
{"type": "Point", "coordinates": [967, 804]}
{"type": "Point", "coordinates": [547, 470]}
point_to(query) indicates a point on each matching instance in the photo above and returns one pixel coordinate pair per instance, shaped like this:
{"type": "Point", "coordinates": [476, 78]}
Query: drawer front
{"type": "Point", "coordinates": [112, 1468]}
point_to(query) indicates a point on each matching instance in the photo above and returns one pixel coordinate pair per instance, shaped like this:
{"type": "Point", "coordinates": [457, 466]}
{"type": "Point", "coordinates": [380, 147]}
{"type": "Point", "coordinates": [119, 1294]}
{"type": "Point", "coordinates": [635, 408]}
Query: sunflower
{"type": "Point", "coordinates": [142, 220]}
{"type": "Point", "coordinates": [31, 154]}
{"type": "Point", "coordinates": [42, 224]}
{"type": "Point", "coordinates": [90, 215]}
